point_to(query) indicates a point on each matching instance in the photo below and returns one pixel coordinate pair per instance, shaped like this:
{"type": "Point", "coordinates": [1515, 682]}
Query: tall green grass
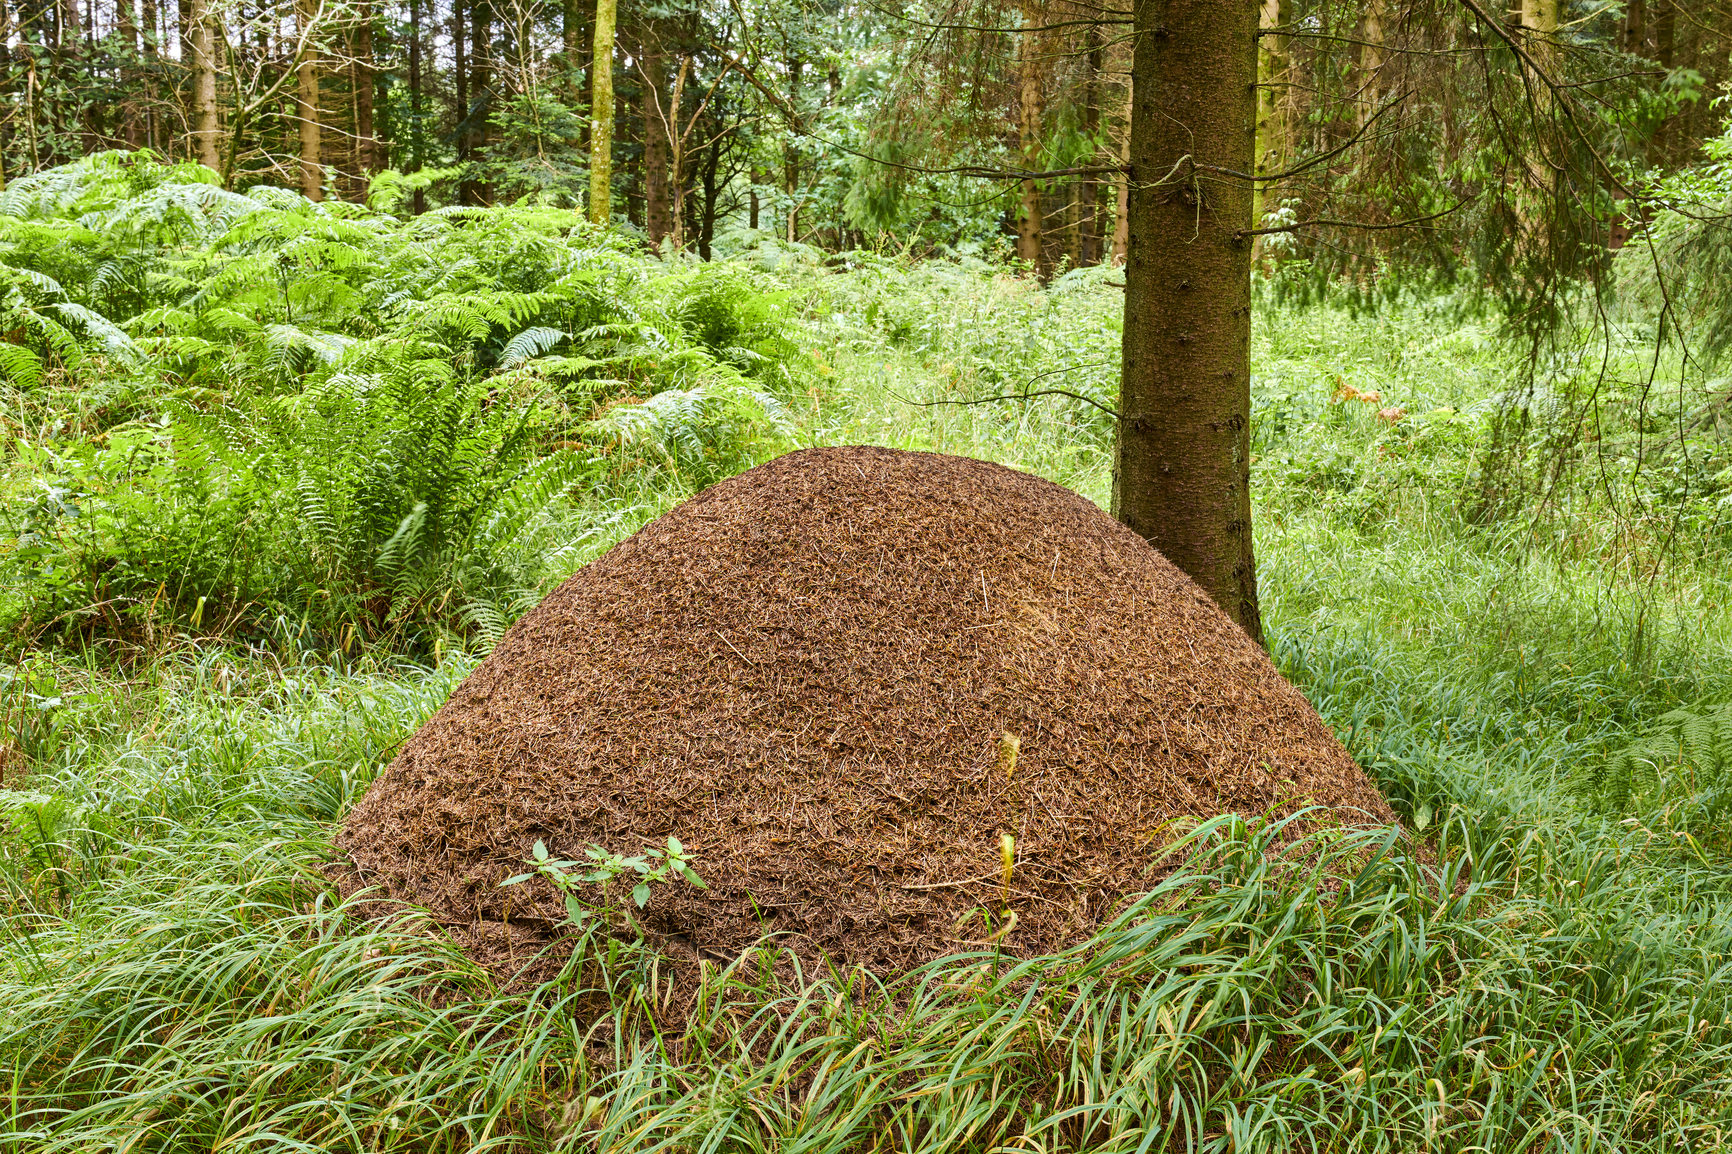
{"type": "Point", "coordinates": [1545, 974]}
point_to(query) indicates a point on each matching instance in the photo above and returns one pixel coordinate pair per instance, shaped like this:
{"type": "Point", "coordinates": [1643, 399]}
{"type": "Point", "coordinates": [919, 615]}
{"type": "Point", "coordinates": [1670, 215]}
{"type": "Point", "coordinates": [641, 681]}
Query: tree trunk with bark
{"type": "Point", "coordinates": [417, 130]}
{"type": "Point", "coordinates": [790, 155]}
{"type": "Point", "coordinates": [1122, 184]}
{"type": "Point", "coordinates": [1272, 64]}
{"type": "Point", "coordinates": [481, 93]}
{"type": "Point", "coordinates": [678, 178]}
{"type": "Point", "coordinates": [206, 129]}
{"type": "Point", "coordinates": [307, 104]}
{"type": "Point", "coordinates": [1371, 52]}
{"type": "Point", "coordinates": [126, 33]}
{"type": "Point", "coordinates": [460, 79]}
{"type": "Point", "coordinates": [1181, 472]}
{"type": "Point", "coordinates": [361, 78]}
{"type": "Point", "coordinates": [658, 130]}
{"type": "Point", "coordinates": [1089, 248]}
{"type": "Point", "coordinates": [1028, 221]}
{"type": "Point", "coordinates": [601, 116]}
{"type": "Point", "coordinates": [152, 55]}
{"type": "Point", "coordinates": [712, 192]}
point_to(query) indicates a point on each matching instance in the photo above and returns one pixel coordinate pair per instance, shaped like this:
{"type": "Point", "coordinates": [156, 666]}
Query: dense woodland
{"type": "Point", "coordinates": [333, 336]}
{"type": "Point", "coordinates": [845, 125]}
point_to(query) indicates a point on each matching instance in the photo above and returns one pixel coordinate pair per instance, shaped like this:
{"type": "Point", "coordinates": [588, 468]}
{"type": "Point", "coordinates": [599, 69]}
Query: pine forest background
{"type": "Point", "coordinates": [840, 125]}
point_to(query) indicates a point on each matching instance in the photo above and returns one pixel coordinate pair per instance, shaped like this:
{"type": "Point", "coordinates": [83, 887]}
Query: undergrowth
{"type": "Point", "coordinates": [218, 641]}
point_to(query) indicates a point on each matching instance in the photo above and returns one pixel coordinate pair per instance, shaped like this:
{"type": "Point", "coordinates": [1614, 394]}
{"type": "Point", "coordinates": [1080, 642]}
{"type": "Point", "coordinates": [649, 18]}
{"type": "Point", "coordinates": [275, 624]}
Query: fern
{"type": "Point", "coordinates": [532, 342]}
{"type": "Point", "coordinates": [369, 421]}
{"type": "Point", "coordinates": [1679, 766]}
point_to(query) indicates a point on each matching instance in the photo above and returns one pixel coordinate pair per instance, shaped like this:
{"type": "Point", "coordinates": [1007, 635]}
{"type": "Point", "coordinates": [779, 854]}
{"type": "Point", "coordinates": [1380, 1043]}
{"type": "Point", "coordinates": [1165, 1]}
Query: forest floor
{"type": "Point", "coordinates": [175, 972]}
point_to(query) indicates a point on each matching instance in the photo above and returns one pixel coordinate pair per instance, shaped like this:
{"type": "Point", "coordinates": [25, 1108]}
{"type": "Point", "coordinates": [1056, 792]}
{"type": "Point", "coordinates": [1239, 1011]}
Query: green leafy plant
{"type": "Point", "coordinates": [1673, 777]}
{"type": "Point", "coordinates": [653, 867]}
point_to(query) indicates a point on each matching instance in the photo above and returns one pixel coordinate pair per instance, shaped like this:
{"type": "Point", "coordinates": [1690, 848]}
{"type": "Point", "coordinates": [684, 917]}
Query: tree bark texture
{"type": "Point", "coordinates": [206, 129]}
{"type": "Point", "coordinates": [1028, 220]}
{"type": "Point", "coordinates": [460, 80]}
{"type": "Point", "coordinates": [417, 130]}
{"type": "Point", "coordinates": [658, 130]}
{"type": "Point", "coordinates": [481, 93]}
{"type": "Point", "coordinates": [152, 53]}
{"type": "Point", "coordinates": [1371, 52]}
{"type": "Point", "coordinates": [367, 160]}
{"type": "Point", "coordinates": [1122, 183]}
{"type": "Point", "coordinates": [1090, 193]}
{"type": "Point", "coordinates": [601, 116]}
{"type": "Point", "coordinates": [1181, 473]}
{"type": "Point", "coordinates": [126, 33]}
{"type": "Point", "coordinates": [1271, 101]}
{"type": "Point", "coordinates": [307, 105]}
{"type": "Point", "coordinates": [707, 223]}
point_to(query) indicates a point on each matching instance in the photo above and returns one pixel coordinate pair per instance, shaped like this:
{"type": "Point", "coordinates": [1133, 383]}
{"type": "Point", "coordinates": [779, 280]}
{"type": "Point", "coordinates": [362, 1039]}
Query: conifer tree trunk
{"type": "Point", "coordinates": [570, 43]}
{"type": "Point", "coordinates": [361, 78]}
{"type": "Point", "coordinates": [417, 131]}
{"type": "Point", "coordinates": [1271, 102]}
{"type": "Point", "coordinates": [460, 81]}
{"type": "Point", "coordinates": [206, 129]}
{"type": "Point", "coordinates": [1371, 51]}
{"type": "Point", "coordinates": [307, 105]}
{"type": "Point", "coordinates": [126, 30]}
{"type": "Point", "coordinates": [707, 223]}
{"type": "Point", "coordinates": [601, 116]}
{"type": "Point", "coordinates": [1028, 222]}
{"type": "Point", "coordinates": [658, 120]}
{"type": "Point", "coordinates": [791, 156]}
{"type": "Point", "coordinates": [1089, 248]}
{"type": "Point", "coordinates": [480, 90]}
{"type": "Point", "coordinates": [1181, 473]}
{"type": "Point", "coordinates": [1122, 210]}
{"type": "Point", "coordinates": [678, 176]}
{"type": "Point", "coordinates": [151, 57]}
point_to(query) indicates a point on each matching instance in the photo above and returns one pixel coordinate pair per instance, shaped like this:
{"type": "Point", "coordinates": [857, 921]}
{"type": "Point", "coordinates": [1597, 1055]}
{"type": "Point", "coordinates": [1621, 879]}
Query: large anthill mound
{"type": "Point", "coordinates": [804, 674]}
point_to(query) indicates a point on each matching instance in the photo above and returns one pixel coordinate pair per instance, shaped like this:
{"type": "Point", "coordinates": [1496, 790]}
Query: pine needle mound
{"type": "Point", "coordinates": [805, 674]}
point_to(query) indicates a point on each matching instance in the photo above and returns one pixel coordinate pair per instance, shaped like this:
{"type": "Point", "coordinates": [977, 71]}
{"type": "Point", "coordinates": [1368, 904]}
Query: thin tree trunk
{"type": "Point", "coordinates": [32, 111]}
{"type": "Point", "coordinates": [601, 116]}
{"type": "Point", "coordinates": [677, 175]}
{"type": "Point", "coordinates": [752, 199]}
{"type": "Point", "coordinates": [183, 74]}
{"type": "Point", "coordinates": [417, 131]}
{"type": "Point", "coordinates": [570, 45]}
{"type": "Point", "coordinates": [1028, 238]}
{"type": "Point", "coordinates": [1271, 104]}
{"type": "Point", "coordinates": [1665, 31]}
{"type": "Point", "coordinates": [481, 90]}
{"type": "Point", "coordinates": [460, 85]}
{"type": "Point", "coordinates": [1089, 194]}
{"type": "Point", "coordinates": [707, 227]}
{"type": "Point", "coordinates": [1122, 211]}
{"type": "Point", "coordinates": [148, 90]}
{"type": "Point", "coordinates": [1181, 473]}
{"type": "Point", "coordinates": [126, 31]}
{"type": "Point", "coordinates": [1371, 53]}
{"type": "Point", "coordinates": [1636, 27]}
{"type": "Point", "coordinates": [658, 131]}
{"type": "Point", "coordinates": [790, 156]}
{"type": "Point", "coordinates": [307, 105]}
{"type": "Point", "coordinates": [207, 131]}
{"type": "Point", "coordinates": [361, 77]}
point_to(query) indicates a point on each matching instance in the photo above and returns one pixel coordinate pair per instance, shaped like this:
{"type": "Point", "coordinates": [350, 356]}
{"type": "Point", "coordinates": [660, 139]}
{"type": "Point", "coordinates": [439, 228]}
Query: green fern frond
{"type": "Point", "coordinates": [529, 344]}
